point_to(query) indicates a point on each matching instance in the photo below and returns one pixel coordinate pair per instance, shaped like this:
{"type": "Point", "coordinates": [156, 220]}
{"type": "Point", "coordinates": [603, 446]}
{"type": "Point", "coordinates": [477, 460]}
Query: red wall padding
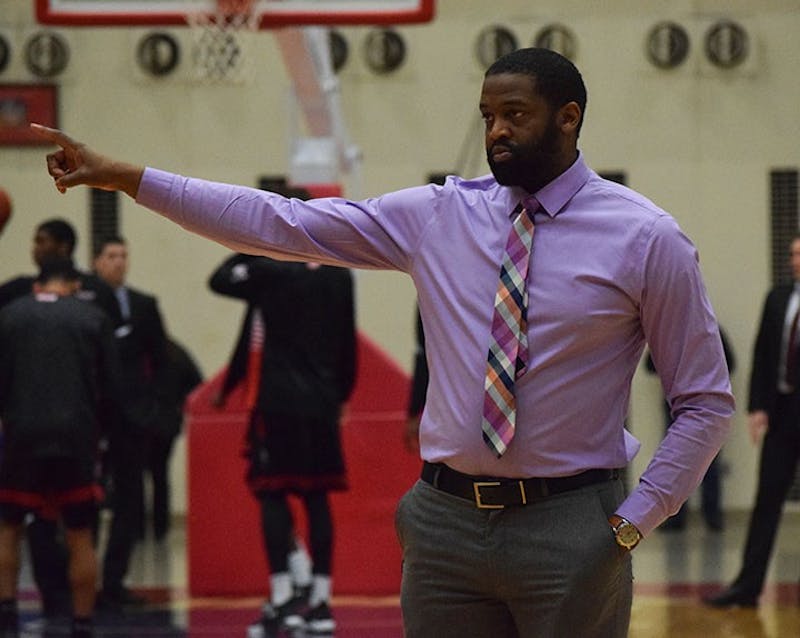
{"type": "Point", "coordinates": [225, 553]}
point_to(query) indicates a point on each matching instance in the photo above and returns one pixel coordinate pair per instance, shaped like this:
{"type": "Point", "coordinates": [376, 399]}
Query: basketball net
{"type": "Point", "coordinates": [222, 41]}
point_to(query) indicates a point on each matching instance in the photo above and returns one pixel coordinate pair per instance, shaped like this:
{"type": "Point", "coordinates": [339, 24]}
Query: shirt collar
{"type": "Point", "coordinates": [555, 195]}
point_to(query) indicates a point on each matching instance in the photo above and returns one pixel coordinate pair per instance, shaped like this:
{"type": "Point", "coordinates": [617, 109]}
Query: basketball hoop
{"type": "Point", "coordinates": [221, 41]}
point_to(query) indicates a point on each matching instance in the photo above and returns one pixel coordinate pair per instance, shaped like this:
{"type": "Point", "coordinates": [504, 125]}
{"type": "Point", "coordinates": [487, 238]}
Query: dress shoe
{"type": "Point", "coordinates": [731, 597]}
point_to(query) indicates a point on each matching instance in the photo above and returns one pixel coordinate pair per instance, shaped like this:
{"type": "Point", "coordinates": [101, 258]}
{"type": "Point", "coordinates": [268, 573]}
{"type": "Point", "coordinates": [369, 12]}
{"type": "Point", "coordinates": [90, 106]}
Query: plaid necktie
{"type": "Point", "coordinates": [508, 349]}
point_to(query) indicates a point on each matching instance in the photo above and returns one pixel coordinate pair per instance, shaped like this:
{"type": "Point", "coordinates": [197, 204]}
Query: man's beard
{"type": "Point", "coordinates": [530, 162]}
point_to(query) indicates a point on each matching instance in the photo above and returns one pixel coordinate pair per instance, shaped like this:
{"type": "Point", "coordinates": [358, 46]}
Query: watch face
{"type": "Point", "coordinates": [627, 535]}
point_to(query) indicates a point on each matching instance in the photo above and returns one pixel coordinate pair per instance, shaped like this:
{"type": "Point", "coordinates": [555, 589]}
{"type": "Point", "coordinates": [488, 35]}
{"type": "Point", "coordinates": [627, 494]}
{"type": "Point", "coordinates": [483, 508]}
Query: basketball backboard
{"type": "Point", "coordinates": [272, 13]}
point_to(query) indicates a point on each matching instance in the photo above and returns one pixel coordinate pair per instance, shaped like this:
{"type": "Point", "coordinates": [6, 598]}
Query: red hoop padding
{"type": "Point", "coordinates": [48, 13]}
{"type": "Point", "coordinates": [224, 545]}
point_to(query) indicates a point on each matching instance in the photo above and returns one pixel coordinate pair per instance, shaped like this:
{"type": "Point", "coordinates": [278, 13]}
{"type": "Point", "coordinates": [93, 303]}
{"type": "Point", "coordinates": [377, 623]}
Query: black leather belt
{"type": "Point", "coordinates": [497, 493]}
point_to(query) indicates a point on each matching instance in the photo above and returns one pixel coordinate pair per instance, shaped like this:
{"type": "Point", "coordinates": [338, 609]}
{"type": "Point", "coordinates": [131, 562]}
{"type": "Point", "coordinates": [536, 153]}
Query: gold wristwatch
{"type": "Point", "coordinates": [625, 532]}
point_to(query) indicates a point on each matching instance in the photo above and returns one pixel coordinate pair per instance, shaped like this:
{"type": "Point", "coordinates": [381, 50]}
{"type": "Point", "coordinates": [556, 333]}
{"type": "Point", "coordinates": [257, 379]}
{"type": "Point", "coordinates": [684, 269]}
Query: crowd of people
{"type": "Point", "coordinates": [91, 400]}
{"type": "Point", "coordinates": [121, 382]}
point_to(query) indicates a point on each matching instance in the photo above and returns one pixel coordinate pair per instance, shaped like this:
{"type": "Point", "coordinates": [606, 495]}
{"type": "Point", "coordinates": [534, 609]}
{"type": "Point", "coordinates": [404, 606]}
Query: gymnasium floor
{"type": "Point", "coordinates": [672, 570]}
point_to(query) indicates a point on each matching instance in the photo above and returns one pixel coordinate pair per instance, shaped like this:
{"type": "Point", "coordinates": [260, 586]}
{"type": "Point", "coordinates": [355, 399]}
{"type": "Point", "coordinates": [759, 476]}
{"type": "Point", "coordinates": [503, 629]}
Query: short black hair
{"type": "Point", "coordinates": [61, 231]}
{"type": "Point", "coordinates": [105, 241]}
{"type": "Point", "coordinates": [57, 269]}
{"type": "Point", "coordinates": [557, 79]}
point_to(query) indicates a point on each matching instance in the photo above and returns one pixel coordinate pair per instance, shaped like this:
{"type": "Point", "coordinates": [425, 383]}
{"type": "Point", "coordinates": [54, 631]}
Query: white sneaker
{"type": "Point", "coordinates": [269, 620]}
{"type": "Point", "coordinates": [292, 613]}
{"type": "Point", "coordinates": [319, 620]}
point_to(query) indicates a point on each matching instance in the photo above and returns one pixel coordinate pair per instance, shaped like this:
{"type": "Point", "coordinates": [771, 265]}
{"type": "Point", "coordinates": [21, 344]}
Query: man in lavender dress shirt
{"type": "Point", "coordinates": [609, 272]}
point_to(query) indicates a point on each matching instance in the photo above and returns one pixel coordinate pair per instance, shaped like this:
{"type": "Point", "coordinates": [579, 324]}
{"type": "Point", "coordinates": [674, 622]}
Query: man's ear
{"type": "Point", "coordinates": [569, 117]}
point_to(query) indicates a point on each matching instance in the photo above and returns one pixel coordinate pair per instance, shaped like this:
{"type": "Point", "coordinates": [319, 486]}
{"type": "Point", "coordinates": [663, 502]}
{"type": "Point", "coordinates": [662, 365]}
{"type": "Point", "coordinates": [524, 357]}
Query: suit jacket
{"type": "Point", "coordinates": [142, 345]}
{"type": "Point", "coordinates": [767, 350]}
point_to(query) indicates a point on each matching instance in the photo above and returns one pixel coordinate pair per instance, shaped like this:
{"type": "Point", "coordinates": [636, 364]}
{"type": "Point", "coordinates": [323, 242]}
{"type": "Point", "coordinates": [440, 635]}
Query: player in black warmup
{"type": "Point", "coordinates": [58, 372]}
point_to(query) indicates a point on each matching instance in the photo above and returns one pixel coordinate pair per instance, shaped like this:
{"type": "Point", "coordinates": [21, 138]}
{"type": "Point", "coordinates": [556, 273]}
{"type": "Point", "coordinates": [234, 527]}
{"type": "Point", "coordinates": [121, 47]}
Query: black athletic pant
{"type": "Point", "coordinates": [277, 525]}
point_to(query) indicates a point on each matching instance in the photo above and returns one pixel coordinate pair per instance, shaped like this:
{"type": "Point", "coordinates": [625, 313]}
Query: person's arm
{"type": "Point", "coordinates": [757, 425]}
{"type": "Point", "coordinates": [762, 375]}
{"type": "Point", "coordinates": [763, 371]}
{"type": "Point", "coordinates": [75, 164]}
{"type": "Point", "coordinates": [348, 358]}
{"type": "Point", "coordinates": [241, 276]}
{"type": "Point", "coordinates": [156, 348]}
{"type": "Point", "coordinates": [683, 335]}
{"type": "Point", "coordinates": [237, 365]}
{"type": "Point", "coordinates": [381, 232]}
{"type": "Point", "coordinates": [191, 376]}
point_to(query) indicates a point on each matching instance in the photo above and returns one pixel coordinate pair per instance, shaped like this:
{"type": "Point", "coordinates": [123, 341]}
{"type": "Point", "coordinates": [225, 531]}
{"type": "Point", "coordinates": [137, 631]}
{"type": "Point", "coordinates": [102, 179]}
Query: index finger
{"type": "Point", "coordinates": [52, 134]}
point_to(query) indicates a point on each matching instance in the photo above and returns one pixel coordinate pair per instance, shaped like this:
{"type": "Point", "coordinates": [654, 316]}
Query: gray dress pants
{"type": "Point", "coordinates": [549, 569]}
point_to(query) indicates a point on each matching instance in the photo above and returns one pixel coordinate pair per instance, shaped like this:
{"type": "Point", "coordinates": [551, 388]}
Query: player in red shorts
{"type": "Point", "coordinates": [58, 370]}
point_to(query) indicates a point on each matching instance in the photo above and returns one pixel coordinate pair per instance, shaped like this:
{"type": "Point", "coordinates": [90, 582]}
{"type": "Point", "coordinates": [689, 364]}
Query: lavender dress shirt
{"type": "Point", "coordinates": [609, 272]}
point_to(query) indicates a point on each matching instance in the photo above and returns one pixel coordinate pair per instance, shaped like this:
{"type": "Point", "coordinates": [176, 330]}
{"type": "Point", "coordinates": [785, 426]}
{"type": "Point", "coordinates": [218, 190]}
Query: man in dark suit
{"type": "Point", "coordinates": [142, 344]}
{"type": "Point", "coordinates": [53, 239]}
{"type": "Point", "coordinates": [774, 415]}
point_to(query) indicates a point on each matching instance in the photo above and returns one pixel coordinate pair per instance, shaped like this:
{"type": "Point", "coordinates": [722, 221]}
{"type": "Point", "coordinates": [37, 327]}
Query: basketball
{"type": "Point", "coordinates": [5, 208]}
